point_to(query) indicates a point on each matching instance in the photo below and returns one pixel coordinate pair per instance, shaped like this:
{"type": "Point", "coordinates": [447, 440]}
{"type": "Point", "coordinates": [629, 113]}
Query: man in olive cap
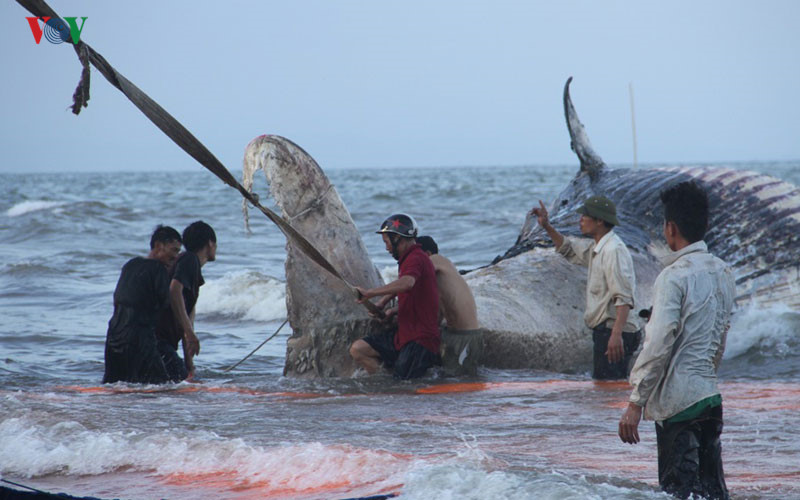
{"type": "Point", "coordinates": [609, 288]}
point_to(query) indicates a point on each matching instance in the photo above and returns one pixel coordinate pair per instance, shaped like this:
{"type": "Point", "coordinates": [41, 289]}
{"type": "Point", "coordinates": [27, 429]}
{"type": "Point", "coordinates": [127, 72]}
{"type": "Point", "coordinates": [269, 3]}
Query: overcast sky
{"type": "Point", "coordinates": [379, 84]}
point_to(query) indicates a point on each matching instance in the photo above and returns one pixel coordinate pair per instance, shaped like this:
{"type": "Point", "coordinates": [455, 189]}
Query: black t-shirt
{"type": "Point", "coordinates": [143, 286]}
{"type": "Point", "coordinates": [188, 273]}
{"type": "Point", "coordinates": [142, 293]}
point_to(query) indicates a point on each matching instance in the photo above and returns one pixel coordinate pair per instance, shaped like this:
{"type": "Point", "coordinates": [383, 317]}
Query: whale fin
{"type": "Point", "coordinates": [591, 162]}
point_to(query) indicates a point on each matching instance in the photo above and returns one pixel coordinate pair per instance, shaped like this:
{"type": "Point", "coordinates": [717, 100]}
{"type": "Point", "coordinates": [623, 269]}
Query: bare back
{"type": "Point", "coordinates": [455, 297]}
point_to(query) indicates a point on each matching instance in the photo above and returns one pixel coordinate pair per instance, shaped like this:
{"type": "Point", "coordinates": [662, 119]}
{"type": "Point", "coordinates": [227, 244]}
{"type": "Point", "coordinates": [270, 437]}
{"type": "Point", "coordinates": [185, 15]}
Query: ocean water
{"type": "Point", "coordinates": [251, 433]}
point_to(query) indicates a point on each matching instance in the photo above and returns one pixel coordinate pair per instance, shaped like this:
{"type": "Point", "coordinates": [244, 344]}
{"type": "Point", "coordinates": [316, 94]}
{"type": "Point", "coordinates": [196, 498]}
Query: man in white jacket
{"type": "Point", "coordinates": [675, 376]}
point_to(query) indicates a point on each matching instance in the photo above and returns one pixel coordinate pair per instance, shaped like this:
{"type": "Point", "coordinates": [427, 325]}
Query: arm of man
{"type": "Point", "coordinates": [384, 300]}
{"type": "Point", "coordinates": [576, 250]}
{"type": "Point", "coordinates": [629, 424]}
{"type": "Point", "coordinates": [730, 293]}
{"type": "Point", "coordinates": [655, 356]}
{"type": "Point", "coordinates": [187, 357]}
{"type": "Point", "coordinates": [616, 349]}
{"type": "Point", "coordinates": [400, 285]}
{"type": "Point", "coordinates": [619, 274]}
{"type": "Point", "coordinates": [544, 220]}
{"type": "Point", "coordinates": [191, 344]}
{"type": "Point", "coordinates": [389, 313]}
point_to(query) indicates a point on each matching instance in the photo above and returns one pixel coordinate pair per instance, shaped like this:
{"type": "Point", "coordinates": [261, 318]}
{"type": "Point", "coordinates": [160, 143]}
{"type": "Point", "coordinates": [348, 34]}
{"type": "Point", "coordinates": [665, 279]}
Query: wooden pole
{"type": "Point", "coordinates": [633, 123]}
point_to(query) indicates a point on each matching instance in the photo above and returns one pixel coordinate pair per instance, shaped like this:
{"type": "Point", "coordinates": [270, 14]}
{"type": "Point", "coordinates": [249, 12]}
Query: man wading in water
{"type": "Point", "coordinates": [462, 341]}
{"type": "Point", "coordinates": [415, 346]}
{"type": "Point", "coordinates": [675, 375]}
{"type": "Point", "coordinates": [177, 321]}
{"type": "Point", "coordinates": [142, 292]}
{"type": "Point", "coordinates": [609, 288]}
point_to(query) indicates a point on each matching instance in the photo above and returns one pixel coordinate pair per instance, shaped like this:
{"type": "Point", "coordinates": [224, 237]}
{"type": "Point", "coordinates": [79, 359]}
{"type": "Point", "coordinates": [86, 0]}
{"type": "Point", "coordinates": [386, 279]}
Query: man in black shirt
{"type": "Point", "coordinates": [131, 353]}
{"type": "Point", "coordinates": [177, 321]}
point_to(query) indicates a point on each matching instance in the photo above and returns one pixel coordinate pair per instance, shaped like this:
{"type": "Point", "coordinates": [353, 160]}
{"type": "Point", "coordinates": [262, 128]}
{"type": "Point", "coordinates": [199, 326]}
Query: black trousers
{"type": "Point", "coordinates": [690, 456]}
{"type": "Point", "coordinates": [603, 370]}
{"type": "Point", "coordinates": [176, 368]}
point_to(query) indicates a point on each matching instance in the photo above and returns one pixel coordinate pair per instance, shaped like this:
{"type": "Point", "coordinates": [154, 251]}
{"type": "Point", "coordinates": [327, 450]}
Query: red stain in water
{"type": "Point", "coordinates": [761, 396]}
{"type": "Point", "coordinates": [231, 481]}
{"type": "Point", "coordinates": [599, 450]}
{"type": "Point", "coordinates": [188, 389]}
{"type": "Point", "coordinates": [611, 385]}
{"type": "Point", "coordinates": [290, 484]}
{"type": "Point", "coordinates": [775, 479]}
{"type": "Point", "coordinates": [546, 385]}
{"type": "Point", "coordinates": [458, 387]}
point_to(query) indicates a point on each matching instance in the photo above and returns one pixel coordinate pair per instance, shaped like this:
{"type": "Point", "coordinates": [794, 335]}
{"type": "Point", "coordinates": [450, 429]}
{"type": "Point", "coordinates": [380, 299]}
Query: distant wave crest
{"type": "Point", "coordinates": [29, 206]}
{"type": "Point", "coordinates": [246, 295]}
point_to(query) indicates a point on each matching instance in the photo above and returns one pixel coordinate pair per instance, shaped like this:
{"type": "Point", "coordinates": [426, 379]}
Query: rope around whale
{"type": "Point", "coordinates": [181, 136]}
{"type": "Point", "coordinates": [226, 370]}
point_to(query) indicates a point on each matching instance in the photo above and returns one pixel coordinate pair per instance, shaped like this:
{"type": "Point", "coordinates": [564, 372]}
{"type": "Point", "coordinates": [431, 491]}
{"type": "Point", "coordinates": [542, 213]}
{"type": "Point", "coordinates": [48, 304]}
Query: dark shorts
{"type": "Point", "coordinates": [690, 456]}
{"type": "Point", "coordinates": [603, 370]}
{"type": "Point", "coordinates": [461, 351]}
{"type": "Point", "coordinates": [176, 368]}
{"type": "Point", "coordinates": [411, 361]}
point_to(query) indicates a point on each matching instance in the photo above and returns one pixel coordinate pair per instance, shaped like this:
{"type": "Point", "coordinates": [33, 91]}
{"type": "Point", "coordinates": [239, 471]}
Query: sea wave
{"type": "Point", "coordinates": [770, 332]}
{"type": "Point", "coordinates": [28, 206]}
{"type": "Point", "coordinates": [207, 462]}
{"type": "Point", "coordinates": [201, 459]}
{"type": "Point", "coordinates": [248, 295]}
{"type": "Point", "coordinates": [466, 483]}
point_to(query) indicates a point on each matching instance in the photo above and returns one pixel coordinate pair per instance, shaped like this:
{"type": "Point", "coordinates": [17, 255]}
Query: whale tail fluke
{"type": "Point", "coordinates": [591, 163]}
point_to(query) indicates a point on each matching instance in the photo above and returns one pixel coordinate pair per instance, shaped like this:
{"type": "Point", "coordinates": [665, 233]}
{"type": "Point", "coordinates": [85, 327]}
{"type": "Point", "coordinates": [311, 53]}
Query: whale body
{"type": "Point", "coordinates": [530, 299]}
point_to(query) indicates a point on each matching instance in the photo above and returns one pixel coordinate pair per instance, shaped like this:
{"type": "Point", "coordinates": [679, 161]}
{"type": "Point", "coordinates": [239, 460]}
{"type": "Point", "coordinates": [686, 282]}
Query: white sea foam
{"type": "Point", "coordinates": [389, 273]}
{"type": "Point", "coordinates": [772, 329]}
{"type": "Point", "coordinates": [29, 206]}
{"type": "Point", "coordinates": [30, 449]}
{"type": "Point", "coordinates": [246, 295]}
{"type": "Point", "coordinates": [464, 482]}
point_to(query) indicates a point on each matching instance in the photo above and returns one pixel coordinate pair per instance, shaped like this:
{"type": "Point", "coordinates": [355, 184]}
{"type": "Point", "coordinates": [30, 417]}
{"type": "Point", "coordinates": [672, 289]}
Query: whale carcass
{"type": "Point", "coordinates": [530, 299]}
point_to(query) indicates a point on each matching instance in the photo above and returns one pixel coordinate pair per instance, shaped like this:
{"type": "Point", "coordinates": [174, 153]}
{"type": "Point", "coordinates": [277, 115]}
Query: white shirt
{"type": "Point", "coordinates": [685, 337]}
{"type": "Point", "coordinates": [611, 280]}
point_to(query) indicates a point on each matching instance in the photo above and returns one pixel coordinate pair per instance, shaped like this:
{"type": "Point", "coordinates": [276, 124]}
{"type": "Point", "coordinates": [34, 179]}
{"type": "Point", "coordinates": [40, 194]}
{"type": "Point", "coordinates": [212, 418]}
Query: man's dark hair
{"type": "Point", "coordinates": [197, 235]}
{"type": "Point", "coordinates": [686, 204]}
{"type": "Point", "coordinates": [428, 244]}
{"type": "Point", "coordinates": [164, 234]}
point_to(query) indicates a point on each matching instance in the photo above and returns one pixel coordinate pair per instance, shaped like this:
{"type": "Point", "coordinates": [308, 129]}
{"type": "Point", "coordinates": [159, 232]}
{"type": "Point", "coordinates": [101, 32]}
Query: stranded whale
{"type": "Point", "coordinates": [530, 300]}
{"type": "Point", "coordinates": [323, 314]}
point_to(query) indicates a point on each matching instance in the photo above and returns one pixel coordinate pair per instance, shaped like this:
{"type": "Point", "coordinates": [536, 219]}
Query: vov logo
{"type": "Point", "coordinates": [55, 30]}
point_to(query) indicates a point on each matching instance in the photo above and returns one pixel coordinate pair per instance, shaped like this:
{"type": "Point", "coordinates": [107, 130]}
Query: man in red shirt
{"type": "Point", "coordinates": [415, 346]}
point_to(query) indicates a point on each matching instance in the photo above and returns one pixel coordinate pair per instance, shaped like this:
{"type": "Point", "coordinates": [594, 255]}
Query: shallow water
{"type": "Point", "coordinates": [251, 433]}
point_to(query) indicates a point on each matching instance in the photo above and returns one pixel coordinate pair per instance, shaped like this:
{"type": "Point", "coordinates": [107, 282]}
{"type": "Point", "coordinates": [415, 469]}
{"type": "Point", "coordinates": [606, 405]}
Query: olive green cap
{"type": "Point", "coordinates": [601, 208]}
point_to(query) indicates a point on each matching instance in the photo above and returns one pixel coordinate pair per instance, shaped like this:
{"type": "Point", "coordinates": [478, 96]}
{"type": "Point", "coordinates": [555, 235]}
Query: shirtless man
{"type": "Point", "coordinates": [462, 342]}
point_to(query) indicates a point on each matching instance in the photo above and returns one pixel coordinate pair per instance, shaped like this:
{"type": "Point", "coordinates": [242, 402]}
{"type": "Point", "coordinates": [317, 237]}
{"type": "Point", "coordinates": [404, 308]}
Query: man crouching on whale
{"type": "Point", "coordinates": [414, 347]}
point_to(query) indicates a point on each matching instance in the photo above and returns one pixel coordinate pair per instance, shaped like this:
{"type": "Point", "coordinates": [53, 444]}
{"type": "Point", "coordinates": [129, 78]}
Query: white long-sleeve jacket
{"type": "Point", "coordinates": [611, 281]}
{"type": "Point", "coordinates": [685, 337]}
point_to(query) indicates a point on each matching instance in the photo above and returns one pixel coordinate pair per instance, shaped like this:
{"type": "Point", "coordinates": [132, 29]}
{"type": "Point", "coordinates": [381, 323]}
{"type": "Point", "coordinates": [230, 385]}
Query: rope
{"type": "Point", "coordinates": [181, 136]}
{"type": "Point", "coordinates": [23, 486]}
{"type": "Point", "coordinates": [226, 370]}
{"type": "Point", "coordinates": [316, 203]}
